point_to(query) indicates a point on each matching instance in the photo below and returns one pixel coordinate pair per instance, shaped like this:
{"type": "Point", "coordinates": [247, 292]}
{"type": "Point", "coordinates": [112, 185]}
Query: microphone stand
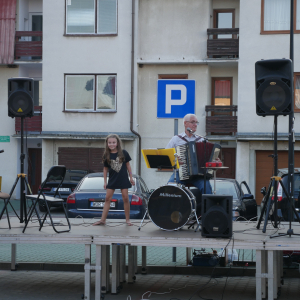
{"type": "Point", "coordinates": [205, 140]}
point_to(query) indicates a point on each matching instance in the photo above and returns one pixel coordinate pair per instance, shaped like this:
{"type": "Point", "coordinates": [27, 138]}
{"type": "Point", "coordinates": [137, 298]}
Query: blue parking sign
{"type": "Point", "coordinates": [175, 98]}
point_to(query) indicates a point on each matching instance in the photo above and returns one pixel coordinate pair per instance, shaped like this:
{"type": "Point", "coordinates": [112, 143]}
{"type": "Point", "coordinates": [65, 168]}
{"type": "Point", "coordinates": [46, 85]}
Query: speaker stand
{"type": "Point", "coordinates": [272, 188]}
{"type": "Point", "coordinates": [23, 183]}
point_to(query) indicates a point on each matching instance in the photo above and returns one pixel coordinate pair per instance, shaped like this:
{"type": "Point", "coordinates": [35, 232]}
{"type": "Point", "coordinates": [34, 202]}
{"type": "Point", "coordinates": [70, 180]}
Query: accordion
{"type": "Point", "coordinates": [194, 155]}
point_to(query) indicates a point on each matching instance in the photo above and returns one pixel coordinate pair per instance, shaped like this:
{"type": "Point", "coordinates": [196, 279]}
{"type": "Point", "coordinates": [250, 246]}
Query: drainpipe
{"type": "Point", "coordinates": [132, 87]}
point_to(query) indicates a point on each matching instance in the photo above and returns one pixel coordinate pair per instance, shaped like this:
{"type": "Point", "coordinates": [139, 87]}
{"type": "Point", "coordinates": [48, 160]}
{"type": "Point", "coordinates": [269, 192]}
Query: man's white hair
{"type": "Point", "coordinates": [188, 117]}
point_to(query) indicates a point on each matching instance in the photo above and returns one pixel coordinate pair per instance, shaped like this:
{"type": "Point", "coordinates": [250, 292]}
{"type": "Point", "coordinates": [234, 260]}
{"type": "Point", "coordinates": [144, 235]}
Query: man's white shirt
{"type": "Point", "coordinates": [177, 141]}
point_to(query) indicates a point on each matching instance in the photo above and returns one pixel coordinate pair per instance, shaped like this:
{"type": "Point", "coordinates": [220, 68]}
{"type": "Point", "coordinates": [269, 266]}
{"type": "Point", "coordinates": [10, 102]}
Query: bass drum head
{"type": "Point", "coordinates": [169, 207]}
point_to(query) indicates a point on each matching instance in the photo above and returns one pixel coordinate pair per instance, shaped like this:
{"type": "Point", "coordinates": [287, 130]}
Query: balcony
{"type": "Point", "coordinates": [33, 124]}
{"type": "Point", "coordinates": [222, 119]}
{"type": "Point", "coordinates": [31, 48]}
{"type": "Point", "coordinates": [222, 47]}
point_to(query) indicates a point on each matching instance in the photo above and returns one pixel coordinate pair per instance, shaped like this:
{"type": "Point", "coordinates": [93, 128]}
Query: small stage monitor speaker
{"type": "Point", "coordinates": [20, 97]}
{"type": "Point", "coordinates": [216, 216]}
{"type": "Point", "coordinates": [273, 80]}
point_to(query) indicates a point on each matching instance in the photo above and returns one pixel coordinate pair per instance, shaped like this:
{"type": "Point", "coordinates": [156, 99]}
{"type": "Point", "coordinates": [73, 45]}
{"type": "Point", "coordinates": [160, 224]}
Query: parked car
{"type": "Point", "coordinates": [244, 205]}
{"type": "Point", "coordinates": [68, 186]}
{"type": "Point", "coordinates": [87, 200]}
{"type": "Point", "coordinates": [283, 203]}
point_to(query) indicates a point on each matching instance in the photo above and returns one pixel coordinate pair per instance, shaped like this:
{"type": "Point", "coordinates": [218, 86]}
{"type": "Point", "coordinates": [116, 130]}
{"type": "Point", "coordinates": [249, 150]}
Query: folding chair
{"type": "Point", "coordinates": [5, 197]}
{"type": "Point", "coordinates": [55, 173]}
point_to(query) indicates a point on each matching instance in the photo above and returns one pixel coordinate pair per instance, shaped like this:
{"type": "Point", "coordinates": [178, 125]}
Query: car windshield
{"type": "Point", "coordinates": [71, 175]}
{"type": "Point", "coordinates": [224, 187]}
{"type": "Point", "coordinates": [96, 183]}
{"type": "Point", "coordinates": [75, 175]}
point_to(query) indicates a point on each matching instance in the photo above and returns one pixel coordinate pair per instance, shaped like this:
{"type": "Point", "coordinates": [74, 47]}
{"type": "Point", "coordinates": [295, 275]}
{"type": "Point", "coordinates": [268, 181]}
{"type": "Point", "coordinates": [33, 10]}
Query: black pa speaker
{"type": "Point", "coordinates": [216, 216]}
{"type": "Point", "coordinates": [274, 83]}
{"type": "Point", "coordinates": [20, 97]}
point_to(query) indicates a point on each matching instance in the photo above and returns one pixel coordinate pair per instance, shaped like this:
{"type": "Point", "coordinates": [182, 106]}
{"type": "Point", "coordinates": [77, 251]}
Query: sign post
{"type": "Point", "coordinates": [175, 99]}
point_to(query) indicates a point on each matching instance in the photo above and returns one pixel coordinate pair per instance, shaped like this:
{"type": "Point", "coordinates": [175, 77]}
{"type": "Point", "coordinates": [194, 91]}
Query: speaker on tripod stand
{"type": "Point", "coordinates": [273, 78]}
{"type": "Point", "coordinates": [21, 104]}
{"type": "Point", "coordinates": [274, 94]}
{"type": "Point", "coordinates": [20, 97]}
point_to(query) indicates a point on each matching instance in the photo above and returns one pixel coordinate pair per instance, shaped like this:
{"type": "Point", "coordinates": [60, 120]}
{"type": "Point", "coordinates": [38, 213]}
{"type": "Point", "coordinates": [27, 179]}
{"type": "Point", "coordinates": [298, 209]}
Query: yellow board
{"type": "Point", "coordinates": [159, 158]}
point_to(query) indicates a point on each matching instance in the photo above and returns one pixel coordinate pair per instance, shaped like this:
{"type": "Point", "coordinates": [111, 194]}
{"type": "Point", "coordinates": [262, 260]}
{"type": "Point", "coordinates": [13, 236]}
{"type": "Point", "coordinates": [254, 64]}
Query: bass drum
{"type": "Point", "coordinates": [170, 207]}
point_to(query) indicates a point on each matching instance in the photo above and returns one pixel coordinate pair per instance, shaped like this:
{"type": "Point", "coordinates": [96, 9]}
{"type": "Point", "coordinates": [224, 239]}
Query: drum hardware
{"type": "Point", "coordinates": [160, 159]}
{"type": "Point", "coordinates": [170, 207]}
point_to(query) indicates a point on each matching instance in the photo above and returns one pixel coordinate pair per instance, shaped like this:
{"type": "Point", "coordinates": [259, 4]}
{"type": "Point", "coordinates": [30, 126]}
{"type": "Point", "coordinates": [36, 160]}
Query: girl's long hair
{"type": "Point", "coordinates": [106, 154]}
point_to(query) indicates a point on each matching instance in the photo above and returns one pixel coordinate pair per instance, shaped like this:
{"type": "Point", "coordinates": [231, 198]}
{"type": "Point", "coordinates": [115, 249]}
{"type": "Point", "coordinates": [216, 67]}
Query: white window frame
{"type": "Point", "coordinates": [263, 31]}
{"type": "Point", "coordinates": [96, 33]}
{"type": "Point", "coordinates": [95, 94]}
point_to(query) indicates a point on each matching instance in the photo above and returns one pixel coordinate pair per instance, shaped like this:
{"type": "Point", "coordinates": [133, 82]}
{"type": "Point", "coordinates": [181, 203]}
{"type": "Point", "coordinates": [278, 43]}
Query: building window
{"type": "Point", "coordinates": [90, 93]}
{"type": "Point", "coordinates": [221, 91]}
{"type": "Point", "coordinates": [224, 18]}
{"type": "Point", "coordinates": [90, 17]}
{"type": "Point", "coordinates": [297, 92]}
{"type": "Point", "coordinates": [276, 16]}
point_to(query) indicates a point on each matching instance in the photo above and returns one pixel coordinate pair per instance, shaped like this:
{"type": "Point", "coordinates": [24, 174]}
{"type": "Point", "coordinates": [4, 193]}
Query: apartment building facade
{"type": "Point", "coordinates": [92, 47]}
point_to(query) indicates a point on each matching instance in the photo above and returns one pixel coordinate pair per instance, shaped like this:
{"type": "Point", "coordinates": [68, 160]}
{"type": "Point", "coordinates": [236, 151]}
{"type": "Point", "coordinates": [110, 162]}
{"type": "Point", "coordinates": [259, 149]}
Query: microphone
{"type": "Point", "coordinates": [1, 151]}
{"type": "Point", "coordinates": [192, 132]}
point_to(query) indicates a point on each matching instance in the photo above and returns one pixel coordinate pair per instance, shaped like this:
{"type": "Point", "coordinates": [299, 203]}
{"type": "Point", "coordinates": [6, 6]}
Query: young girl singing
{"type": "Point", "coordinates": [116, 162]}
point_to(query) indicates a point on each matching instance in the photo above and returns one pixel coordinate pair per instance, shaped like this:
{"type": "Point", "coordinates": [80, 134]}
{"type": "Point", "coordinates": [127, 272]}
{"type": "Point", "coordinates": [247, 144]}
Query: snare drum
{"type": "Point", "coordinates": [170, 207]}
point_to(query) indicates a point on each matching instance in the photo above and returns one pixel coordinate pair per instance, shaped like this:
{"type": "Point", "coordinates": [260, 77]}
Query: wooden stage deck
{"type": "Point", "coordinates": [117, 234]}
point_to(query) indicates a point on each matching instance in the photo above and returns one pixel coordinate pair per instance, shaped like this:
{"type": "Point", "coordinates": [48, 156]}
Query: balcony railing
{"type": "Point", "coordinates": [220, 47]}
{"type": "Point", "coordinates": [30, 49]}
{"type": "Point", "coordinates": [33, 124]}
{"type": "Point", "coordinates": [221, 120]}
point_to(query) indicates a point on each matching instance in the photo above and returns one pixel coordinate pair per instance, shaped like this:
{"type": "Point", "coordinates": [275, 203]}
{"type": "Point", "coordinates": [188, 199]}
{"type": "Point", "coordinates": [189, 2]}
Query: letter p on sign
{"type": "Point", "coordinates": [170, 101]}
{"type": "Point", "coordinates": [175, 98]}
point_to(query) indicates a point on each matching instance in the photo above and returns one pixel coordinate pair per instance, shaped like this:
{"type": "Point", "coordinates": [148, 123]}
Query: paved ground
{"type": "Point", "coordinates": [62, 285]}
{"type": "Point", "coordinates": [29, 285]}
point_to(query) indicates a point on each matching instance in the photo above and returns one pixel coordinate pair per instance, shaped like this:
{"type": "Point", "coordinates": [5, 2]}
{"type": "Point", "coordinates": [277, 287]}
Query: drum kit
{"type": "Point", "coordinates": [171, 206]}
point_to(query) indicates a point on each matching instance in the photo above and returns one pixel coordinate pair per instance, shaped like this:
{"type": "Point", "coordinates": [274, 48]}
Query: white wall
{"type": "Point", "coordinates": [173, 29]}
{"type": "Point", "coordinates": [254, 47]}
{"type": "Point", "coordinates": [106, 54]}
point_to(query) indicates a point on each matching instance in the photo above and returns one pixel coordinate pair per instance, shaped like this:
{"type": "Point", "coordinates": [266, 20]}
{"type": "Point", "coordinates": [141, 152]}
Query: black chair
{"type": "Point", "coordinates": [5, 197]}
{"type": "Point", "coordinates": [55, 173]}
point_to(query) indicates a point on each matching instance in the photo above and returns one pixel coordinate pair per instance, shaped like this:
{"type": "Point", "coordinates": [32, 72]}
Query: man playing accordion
{"type": "Point", "coordinates": [190, 123]}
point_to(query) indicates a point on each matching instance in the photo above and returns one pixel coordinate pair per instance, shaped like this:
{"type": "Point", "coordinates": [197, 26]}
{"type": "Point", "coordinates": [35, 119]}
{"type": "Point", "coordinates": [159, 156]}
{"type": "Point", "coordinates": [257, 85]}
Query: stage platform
{"type": "Point", "coordinates": [117, 234]}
